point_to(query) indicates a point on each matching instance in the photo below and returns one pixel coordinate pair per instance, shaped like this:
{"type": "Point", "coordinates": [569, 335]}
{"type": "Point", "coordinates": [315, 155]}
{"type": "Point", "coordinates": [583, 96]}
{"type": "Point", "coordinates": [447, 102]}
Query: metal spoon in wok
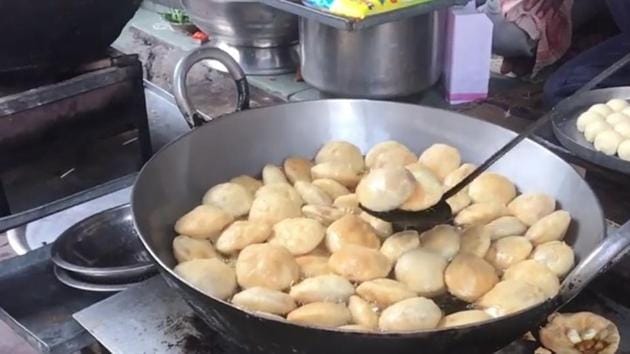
{"type": "Point", "coordinates": [441, 212]}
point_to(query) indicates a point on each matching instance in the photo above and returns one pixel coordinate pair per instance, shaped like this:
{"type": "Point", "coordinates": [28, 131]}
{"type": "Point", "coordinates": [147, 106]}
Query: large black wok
{"type": "Point", "coordinates": [174, 180]}
{"type": "Point", "coordinates": [47, 36]}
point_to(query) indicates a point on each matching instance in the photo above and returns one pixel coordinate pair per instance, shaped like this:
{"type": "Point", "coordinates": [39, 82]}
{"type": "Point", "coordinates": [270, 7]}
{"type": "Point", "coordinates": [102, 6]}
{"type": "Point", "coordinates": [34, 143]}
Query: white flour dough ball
{"type": "Point", "coordinates": [441, 239]}
{"type": "Point", "coordinates": [414, 314]}
{"type": "Point", "coordinates": [187, 248]}
{"type": "Point", "coordinates": [264, 300]}
{"type": "Point", "coordinates": [588, 117]}
{"type": "Point", "coordinates": [358, 264]}
{"type": "Point", "coordinates": [211, 276]}
{"type": "Point", "coordinates": [507, 251]}
{"type": "Point", "coordinates": [266, 265]}
{"type": "Point", "coordinates": [389, 153]}
{"type": "Point", "coordinates": [297, 169]}
{"type": "Point", "coordinates": [272, 208]}
{"type": "Point", "coordinates": [601, 109]}
{"type": "Point", "coordinates": [607, 142]}
{"type": "Point", "coordinates": [552, 227]}
{"type": "Point", "coordinates": [397, 244]}
{"type": "Point", "coordinates": [241, 234]}
{"type": "Point", "coordinates": [313, 265]}
{"type": "Point", "coordinates": [384, 292]}
{"type": "Point", "coordinates": [442, 159]}
{"type": "Point", "coordinates": [509, 296]}
{"type": "Point", "coordinates": [531, 207]}
{"type": "Point", "coordinates": [322, 314]}
{"type": "Point", "coordinates": [384, 189]}
{"type": "Point", "coordinates": [623, 150]}
{"type": "Point", "coordinates": [491, 187]}
{"type": "Point", "coordinates": [350, 230]}
{"type": "Point", "coordinates": [298, 235]}
{"type": "Point", "coordinates": [535, 273]}
{"type": "Point", "coordinates": [616, 118]}
{"type": "Point", "coordinates": [312, 194]}
{"type": "Point", "coordinates": [623, 128]}
{"type": "Point", "coordinates": [250, 183]}
{"type": "Point", "coordinates": [556, 255]}
{"type": "Point", "coordinates": [363, 313]}
{"type": "Point", "coordinates": [322, 288]}
{"type": "Point", "coordinates": [463, 318]}
{"type": "Point", "coordinates": [617, 104]}
{"type": "Point", "coordinates": [341, 172]}
{"type": "Point", "coordinates": [273, 174]}
{"type": "Point", "coordinates": [422, 271]}
{"type": "Point", "coordinates": [341, 152]}
{"type": "Point", "coordinates": [333, 188]}
{"type": "Point", "coordinates": [594, 128]}
{"type": "Point", "coordinates": [204, 221]}
{"type": "Point", "coordinates": [428, 190]}
{"type": "Point", "coordinates": [231, 197]}
{"type": "Point", "coordinates": [284, 190]}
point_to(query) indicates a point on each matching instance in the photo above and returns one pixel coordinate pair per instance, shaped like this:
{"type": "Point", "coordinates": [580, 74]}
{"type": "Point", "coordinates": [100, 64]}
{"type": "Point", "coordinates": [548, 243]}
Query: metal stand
{"type": "Point", "coordinates": [139, 113]}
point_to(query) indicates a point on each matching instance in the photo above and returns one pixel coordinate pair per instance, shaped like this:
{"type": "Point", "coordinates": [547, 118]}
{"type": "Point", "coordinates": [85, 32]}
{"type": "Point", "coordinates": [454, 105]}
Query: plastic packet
{"type": "Point", "coordinates": [361, 8]}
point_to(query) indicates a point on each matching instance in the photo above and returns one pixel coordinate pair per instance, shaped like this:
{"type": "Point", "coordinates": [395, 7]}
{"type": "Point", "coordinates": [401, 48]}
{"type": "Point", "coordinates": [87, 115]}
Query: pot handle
{"type": "Point", "coordinates": [194, 117]}
{"type": "Point", "coordinates": [598, 261]}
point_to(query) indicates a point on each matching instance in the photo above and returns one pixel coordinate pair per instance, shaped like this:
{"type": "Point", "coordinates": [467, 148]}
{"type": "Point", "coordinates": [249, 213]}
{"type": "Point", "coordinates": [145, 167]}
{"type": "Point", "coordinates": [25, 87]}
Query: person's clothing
{"type": "Point", "coordinates": [620, 10]}
{"type": "Point", "coordinates": [547, 22]}
{"type": "Point", "coordinates": [578, 71]}
{"type": "Point", "coordinates": [519, 35]}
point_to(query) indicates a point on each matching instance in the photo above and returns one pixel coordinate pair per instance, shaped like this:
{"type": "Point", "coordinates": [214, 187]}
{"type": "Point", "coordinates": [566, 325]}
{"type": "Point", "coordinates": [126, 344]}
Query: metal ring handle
{"type": "Point", "coordinates": [609, 252]}
{"type": "Point", "coordinates": [194, 117]}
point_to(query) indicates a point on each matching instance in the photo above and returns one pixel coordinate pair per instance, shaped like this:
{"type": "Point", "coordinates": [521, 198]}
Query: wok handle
{"type": "Point", "coordinates": [194, 117]}
{"type": "Point", "coordinates": [598, 261]}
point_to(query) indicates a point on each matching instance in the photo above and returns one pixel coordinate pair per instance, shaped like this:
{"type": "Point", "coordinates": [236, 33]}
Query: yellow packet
{"type": "Point", "coordinates": [359, 9]}
{"type": "Point", "coordinates": [350, 8]}
{"type": "Point", "coordinates": [380, 6]}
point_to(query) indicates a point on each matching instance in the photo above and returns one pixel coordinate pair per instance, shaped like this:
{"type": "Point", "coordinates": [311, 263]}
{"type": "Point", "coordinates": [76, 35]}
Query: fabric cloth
{"type": "Point", "coordinates": [578, 71]}
{"type": "Point", "coordinates": [546, 21]}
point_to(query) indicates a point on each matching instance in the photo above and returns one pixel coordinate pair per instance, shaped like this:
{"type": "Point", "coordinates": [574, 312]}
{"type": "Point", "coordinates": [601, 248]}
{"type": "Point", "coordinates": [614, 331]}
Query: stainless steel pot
{"type": "Point", "coordinates": [243, 23]}
{"type": "Point", "coordinates": [389, 60]}
{"type": "Point", "coordinates": [171, 183]}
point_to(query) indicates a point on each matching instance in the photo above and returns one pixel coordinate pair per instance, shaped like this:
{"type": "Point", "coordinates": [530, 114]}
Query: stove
{"type": "Point", "coordinates": [58, 134]}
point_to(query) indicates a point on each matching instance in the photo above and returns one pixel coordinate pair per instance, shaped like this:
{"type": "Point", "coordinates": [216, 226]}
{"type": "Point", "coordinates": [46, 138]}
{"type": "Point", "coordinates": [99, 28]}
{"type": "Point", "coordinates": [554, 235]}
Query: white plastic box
{"type": "Point", "coordinates": [467, 55]}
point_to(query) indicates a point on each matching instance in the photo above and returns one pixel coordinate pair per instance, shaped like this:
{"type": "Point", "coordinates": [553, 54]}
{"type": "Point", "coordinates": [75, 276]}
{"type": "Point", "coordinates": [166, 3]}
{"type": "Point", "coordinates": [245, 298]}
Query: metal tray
{"type": "Point", "coordinates": [352, 24]}
{"type": "Point", "coordinates": [103, 247]}
{"type": "Point", "coordinates": [564, 126]}
{"type": "Point", "coordinates": [39, 308]}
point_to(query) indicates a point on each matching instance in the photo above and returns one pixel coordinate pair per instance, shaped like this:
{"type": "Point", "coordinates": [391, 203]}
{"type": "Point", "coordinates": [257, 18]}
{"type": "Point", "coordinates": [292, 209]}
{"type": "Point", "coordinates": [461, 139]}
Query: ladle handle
{"type": "Point", "coordinates": [194, 117]}
{"type": "Point", "coordinates": [545, 119]}
{"type": "Point", "coordinates": [608, 252]}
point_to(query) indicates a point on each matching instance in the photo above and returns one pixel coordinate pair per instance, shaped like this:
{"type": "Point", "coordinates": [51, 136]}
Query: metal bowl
{"type": "Point", "coordinates": [564, 126]}
{"type": "Point", "coordinates": [67, 278]}
{"type": "Point", "coordinates": [243, 23]}
{"type": "Point", "coordinates": [103, 248]}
